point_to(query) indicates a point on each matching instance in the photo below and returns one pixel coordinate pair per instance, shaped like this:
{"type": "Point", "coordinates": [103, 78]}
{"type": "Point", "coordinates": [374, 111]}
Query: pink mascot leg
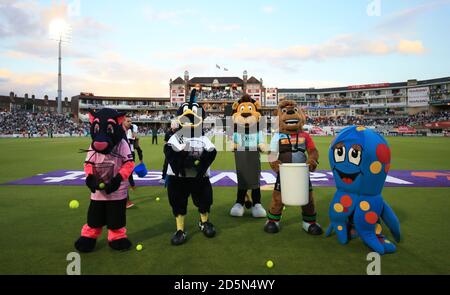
{"type": "Point", "coordinates": [117, 234]}
{"type": "Point", "coordinates": [118, 239]}
{"type": "Point", "coordinates": [91, 232]}
{"type": "Point", "coordinates": [86, 243]}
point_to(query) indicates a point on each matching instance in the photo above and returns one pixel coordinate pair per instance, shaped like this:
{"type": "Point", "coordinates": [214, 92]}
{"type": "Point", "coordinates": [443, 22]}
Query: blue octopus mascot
{"type": "Point", "coordinates": [360, 160]}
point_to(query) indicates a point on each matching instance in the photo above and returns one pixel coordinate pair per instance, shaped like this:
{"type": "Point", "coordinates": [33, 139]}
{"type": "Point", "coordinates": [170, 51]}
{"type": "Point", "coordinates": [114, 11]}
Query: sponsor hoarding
{"type": "Point", "coordinates": [418, 97]}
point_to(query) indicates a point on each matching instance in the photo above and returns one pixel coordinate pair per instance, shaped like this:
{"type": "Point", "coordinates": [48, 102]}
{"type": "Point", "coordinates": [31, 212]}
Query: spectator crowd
{"type": "Point", "coordinates": [418, 119]}
{"type": "Point", "coordinates": [27, 124]}
{"type": "Point", "coordinates": [33, 124]}
{"type": "Point", "coordinates": [219, 94]}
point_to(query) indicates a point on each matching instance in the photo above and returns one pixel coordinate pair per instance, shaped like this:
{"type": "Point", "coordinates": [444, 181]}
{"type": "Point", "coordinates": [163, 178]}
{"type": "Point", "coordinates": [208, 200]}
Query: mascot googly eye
{"type": "Point", "coordinates": [339, 153]}
{"type": "Point", "coordinates": [354, 155]}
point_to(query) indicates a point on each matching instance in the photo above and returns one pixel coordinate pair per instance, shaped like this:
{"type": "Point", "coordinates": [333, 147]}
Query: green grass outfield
{"type": "Point", "coordinates": [38, 228]}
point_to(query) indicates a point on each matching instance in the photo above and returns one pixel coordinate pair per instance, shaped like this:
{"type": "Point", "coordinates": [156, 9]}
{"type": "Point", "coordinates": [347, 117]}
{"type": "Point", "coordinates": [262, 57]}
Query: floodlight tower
{"type": "Point", "coordinates": [59, 31]}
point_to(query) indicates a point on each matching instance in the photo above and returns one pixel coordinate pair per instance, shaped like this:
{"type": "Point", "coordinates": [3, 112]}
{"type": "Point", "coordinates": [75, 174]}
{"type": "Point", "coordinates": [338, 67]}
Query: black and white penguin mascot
{"type": "Point", "coordinates": [190, 154]}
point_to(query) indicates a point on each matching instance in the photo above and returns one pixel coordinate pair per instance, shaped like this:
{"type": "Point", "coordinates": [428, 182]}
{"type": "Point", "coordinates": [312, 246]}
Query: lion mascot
{"type": "Point", "coordinates": [248, 142]}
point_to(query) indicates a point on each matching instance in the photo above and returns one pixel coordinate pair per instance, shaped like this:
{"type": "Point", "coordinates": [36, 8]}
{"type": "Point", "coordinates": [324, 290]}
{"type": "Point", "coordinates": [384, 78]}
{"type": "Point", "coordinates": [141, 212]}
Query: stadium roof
{"type": "Point", "coordinates": [94, 97]}
{"type": "Point", "coordinates": [363, 87]}
{"type": "Point", "coordinates": [221, 80]}
{"type": "Point", "coordinates": [37, 101]}
{"type": "Point", "coordinates": [335, 89]}
{"type": "Point", "coordinates": [178, 81]}
{"type": "Point", "coordinates": [253, 80]}
{"type": "Point", "coordinates": [432, 81]}
{"type": "Point", "coordinates": [299, 90]}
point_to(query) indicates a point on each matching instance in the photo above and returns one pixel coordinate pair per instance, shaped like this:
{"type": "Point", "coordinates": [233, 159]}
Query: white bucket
{"type": "Point", "coordinates": [294, 179]}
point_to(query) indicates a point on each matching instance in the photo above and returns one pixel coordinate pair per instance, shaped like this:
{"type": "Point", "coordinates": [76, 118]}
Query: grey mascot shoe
{"type": "Point", "coordinates": [237, 210]}
{"type": "Point", "coordinates": [258, 211]}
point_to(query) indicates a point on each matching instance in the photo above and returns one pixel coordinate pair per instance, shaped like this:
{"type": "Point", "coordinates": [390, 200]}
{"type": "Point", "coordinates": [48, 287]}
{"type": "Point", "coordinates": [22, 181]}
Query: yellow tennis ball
{"type": "Point", "coordinates": [101, 185]}
{"type": "Point", "coordinates": [157, 199]}
{"type": "Point", "coordinates": [139, 247]}
{"type": "Point", "coordinates": [74, 204]}
{"type": "Point", "coordinates": [269, 263]}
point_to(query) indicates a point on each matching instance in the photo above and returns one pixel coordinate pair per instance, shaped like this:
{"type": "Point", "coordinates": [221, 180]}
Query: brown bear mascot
{"type": "Point", "coordinates": [292, 145]}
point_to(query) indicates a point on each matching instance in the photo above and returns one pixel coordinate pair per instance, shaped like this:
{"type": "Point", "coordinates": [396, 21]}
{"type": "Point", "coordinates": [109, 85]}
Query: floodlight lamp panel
{"type": "Point", "coordinates": [58, 28]}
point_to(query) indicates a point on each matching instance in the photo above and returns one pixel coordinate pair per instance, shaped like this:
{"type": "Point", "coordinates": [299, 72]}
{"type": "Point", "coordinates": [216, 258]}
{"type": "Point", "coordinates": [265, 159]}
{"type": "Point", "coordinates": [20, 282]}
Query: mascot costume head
{"type": "Point", "coordinates": [190, 116]}
{"type": "Point", "coordinates": [290, 117]}
{"type": "Point", "coordinates": [246, 112]}
{"type": "Point", "coordinates": [360, 160]}
{"type": "Point", "coordinates": [106, 129]}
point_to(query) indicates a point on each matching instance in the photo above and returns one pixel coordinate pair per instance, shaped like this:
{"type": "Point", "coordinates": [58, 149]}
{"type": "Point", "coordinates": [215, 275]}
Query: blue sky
{"type": "Point", "coordinates": [135, 47]}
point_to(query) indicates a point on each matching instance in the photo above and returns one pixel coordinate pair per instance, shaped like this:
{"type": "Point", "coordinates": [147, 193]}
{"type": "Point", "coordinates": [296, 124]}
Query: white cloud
{"type": "Point", "coordinates": [343, 46]}
{"type": "Point", "coordinates": [17, 19]}
{"type": "Point", "coordinates": [89, 28]}
{"type": "Point", "coordinates": [46, 51]}
{"type": "Point", "coordinates": [405, 20]}
{"type": "Point", "coordinates": [267, 9]}
{"type": "Point", "coordinates": [112, 74]}
{"type": "Point", "coordinates": [27, 24]}
{"type": "Point", "coordinates": [37, 83]}
{"type": "Point", "coordinates": [410, 47]}
{"type": "Point", "coordinates": [109, 74]}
